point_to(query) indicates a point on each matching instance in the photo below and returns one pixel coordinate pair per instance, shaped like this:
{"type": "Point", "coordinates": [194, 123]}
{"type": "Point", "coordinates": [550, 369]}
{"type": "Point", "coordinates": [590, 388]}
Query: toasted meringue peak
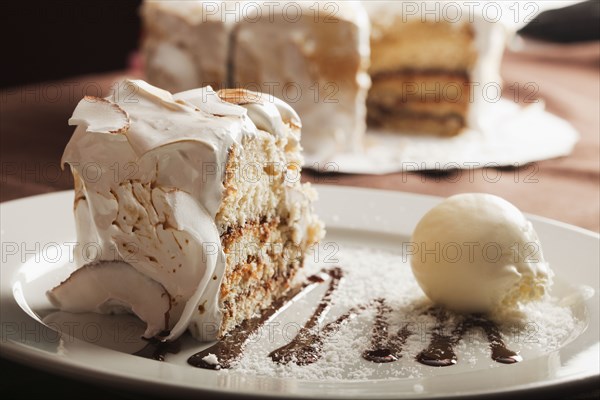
{"type": "Point", "coordinates": [287, 113]}
{"type": "Point", "coordinates": [268, 114]}
{"type": "Point", "coordinates": [240, 96]}
{"type": "Point", "coordinates": [100, 115]}
{"type": "Point", "coordinates": [206, 99]}
{"type": "Point", "coordinates": [147, 89]}
{"type": "Point", "coordinates": [106, 287]}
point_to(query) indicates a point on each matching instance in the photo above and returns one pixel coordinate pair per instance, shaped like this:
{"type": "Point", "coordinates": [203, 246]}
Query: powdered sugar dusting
{"type": "Point", "coordinates": [536, 329]}
{"type": "Point", "coordinates": [211, 359]}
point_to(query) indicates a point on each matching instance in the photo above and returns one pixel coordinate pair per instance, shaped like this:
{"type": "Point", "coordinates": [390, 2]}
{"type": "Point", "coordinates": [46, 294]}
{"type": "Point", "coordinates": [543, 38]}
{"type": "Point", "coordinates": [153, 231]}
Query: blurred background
{"type": "Point", "coordinates": [50, 40]}
{"type": "Point", "coordinates": [59, 51]}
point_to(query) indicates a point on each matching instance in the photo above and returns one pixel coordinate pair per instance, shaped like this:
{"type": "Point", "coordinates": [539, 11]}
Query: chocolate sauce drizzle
{"type": "Point", "coordinates": [307, 346]}
{"type": "Point", "coordinates": [157, 349]}
{"type": "Point", "coordinates": [384, 348]}
{"type": "Point", "coordinates": [231, 347]}
{"type": "Point", "coordinates": [500, 353]}
{"type": "Point", "coordinates": [440, 352]}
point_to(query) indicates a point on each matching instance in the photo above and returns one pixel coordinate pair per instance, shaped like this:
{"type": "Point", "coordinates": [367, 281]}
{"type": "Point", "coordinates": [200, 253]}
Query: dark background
{"type": "Point", "coordinates": [48, 40]}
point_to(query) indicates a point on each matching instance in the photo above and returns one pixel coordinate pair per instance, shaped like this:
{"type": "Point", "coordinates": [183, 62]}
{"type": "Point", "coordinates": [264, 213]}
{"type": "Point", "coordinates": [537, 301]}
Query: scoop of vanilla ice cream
{"type": "Point", "coordinates": [478, 253]}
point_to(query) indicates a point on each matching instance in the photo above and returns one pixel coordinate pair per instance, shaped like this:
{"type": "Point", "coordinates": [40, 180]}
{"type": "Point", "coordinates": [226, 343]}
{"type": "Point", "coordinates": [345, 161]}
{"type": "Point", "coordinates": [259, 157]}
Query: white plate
{"type": "Point", "coordinates": [37, 232]}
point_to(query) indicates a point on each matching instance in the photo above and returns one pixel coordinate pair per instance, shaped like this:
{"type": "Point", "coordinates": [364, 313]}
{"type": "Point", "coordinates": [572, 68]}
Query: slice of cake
{"type": "Point", "coordinates": [313, 55]}
{"type": "Point", "coordinates": [189, 208]}
{"type": "Point", "coordinates": [433, 66]}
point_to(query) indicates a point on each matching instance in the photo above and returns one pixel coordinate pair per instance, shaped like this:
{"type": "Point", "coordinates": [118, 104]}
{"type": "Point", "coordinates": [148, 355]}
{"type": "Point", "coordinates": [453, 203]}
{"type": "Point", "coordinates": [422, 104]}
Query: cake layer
{"type": "Point", "coordinates": [262, 182]}
{"type": "Point", "coordinates": [416, 46]}
{"type": "Point", "coordinates": [429, 77]}
{"type": "Point", "coordinates": [448, 124]}
{"type": "Point", "coordinates": [420, 101]}
{"type": "Point", "coordinates": [262, 261]}
{"type": "Point", "coordinates": [420, 44]}
{"type": "Point", "coordinates": [435, 92]}
{"type": "Point", "coordinates": [265, 222]}
{"type": "Point", "coordinates": [255, 180]}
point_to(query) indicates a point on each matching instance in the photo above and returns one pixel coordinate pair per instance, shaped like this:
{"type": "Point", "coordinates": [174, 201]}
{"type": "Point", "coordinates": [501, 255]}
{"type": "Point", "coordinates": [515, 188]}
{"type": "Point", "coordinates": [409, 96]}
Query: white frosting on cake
{"type": "Point", "coordinates": [316, 58]}
{"type": "Point", "coordinates": [490, 41]}
{"type": "Point", "coordinates": [186, 44]}
{"type": "Point", "coordinates": [149, 169]}
{"type": "Point", "coordinates": [150, 300]}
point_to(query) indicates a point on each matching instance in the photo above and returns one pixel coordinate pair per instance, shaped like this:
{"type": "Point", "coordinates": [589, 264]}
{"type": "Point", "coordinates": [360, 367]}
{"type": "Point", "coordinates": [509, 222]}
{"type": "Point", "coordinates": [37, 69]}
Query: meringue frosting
{"type": "Point", "coordinates": [149, 169]}
{"type": "Point", "coordinates": [316, 58]}
{"type": "Point", "coordinates": [186, 44]}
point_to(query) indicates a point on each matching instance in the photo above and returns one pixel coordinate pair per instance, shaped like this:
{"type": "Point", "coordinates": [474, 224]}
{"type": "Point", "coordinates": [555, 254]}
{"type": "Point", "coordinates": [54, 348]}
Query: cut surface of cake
{"type": "Point", "coordinates": [189, 208]}
{"type": "Point", "coordinates": [431, 74]}
{"type": "Point", "coordinates": [313, 55]}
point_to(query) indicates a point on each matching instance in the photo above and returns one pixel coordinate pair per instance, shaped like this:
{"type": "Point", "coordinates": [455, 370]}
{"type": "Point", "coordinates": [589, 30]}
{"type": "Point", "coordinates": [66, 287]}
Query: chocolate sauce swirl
{"type": "Point", "coordinates": [231, 347]}
{"type": "Point", "coordinates": [500, 353]}
{"type": "Point", "coordinates": [307, 346]}
{"type": "Point", "coordinates": [384, 348]}
{"type": "Point", "coordinates": [157, 349]}
{"type": "Point", "coordinates": [440, 352]}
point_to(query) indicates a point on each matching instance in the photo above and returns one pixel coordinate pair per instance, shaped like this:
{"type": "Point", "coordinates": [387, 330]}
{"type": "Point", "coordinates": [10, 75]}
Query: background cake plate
{"type": "Point", "coordinates": [38, 232]}
{"type": "Point", "coordinates": [510, 135]}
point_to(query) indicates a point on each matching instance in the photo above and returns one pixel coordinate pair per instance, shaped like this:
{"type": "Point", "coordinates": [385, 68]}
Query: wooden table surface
{"type": "Point", "coordinates": [34, 132]}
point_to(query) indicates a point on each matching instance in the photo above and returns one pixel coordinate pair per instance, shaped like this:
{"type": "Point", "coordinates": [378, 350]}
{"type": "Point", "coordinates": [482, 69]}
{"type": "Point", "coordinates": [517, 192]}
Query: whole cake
{"type": "Point", "coordinates": [313, 55]}
{"type": "Point", "coordinates": [192, 206]}
{"type": "Point", "coordinates": [434, 67]}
